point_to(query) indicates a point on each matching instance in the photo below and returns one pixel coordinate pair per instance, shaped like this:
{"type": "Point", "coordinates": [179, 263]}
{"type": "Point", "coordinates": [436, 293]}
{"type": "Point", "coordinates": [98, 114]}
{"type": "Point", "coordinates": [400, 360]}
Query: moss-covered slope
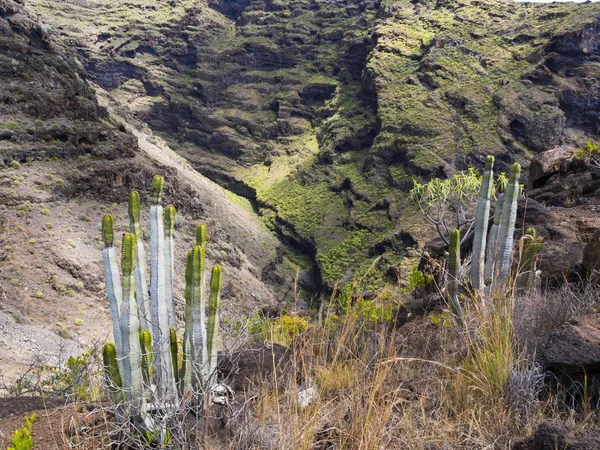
{"type": "Point", "coordinates": [321, 112]}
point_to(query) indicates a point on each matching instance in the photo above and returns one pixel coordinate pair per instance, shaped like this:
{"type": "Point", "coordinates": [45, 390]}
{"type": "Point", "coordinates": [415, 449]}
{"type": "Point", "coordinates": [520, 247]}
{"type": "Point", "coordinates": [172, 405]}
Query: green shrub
{"type": "Point", "coordinates": [9, 125]}
{"type": "Point", "coordinates": [282, 330]}
{"type": "Point", "coordinates": [45, 211]}
{"type": "Point", "coordinates": [22, 439]}
{"type": "Point", "coordinates": [14, 164]}
{"type": "Point", "coordinates": [418, 280]}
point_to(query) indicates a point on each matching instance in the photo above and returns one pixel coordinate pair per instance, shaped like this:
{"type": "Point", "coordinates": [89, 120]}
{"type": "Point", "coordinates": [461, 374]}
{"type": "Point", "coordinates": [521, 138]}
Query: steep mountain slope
{"type": "Point", "coordinates": [65, 163]}
{"type": "Point", "coordinates": [322, 112]}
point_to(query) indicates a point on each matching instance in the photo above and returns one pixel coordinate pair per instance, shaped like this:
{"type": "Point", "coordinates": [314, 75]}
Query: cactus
{"type": "Point", "coordinates": [142, 357]}
{"type": "Point", "coordinates": [131, 362]}
{"type": "Point", "coordinates": [113, 280]}
{"type": "Point", "coordinates": [481, 225]}
{"type": "Point", "coordinates": [507, 225]}
{"type": "Point", "coordinates": [169, 226]}
{"type": "Point", "coordinates": [453, 273]}
{"type": "Point", "coordinates": [492, 242]}
{"type": "Point", "coordinates": [531, 244]}
{"type": "Point", "coordinates": [167, 390]}
{"type": "Point", "coordinates": [213, 320]}
{"type": "Point", "coordinates": [141, 287]}
{"type": "Point", "coordinates": [195, 361]}
{"type": "Point", "coordinates": [113, 375]}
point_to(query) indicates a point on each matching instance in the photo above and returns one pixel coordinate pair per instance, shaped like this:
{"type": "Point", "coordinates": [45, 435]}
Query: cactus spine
{"type": "Point", "coordinates": [507, 224]}
{"type": "Point", "coordinates": [141, 287]}
{"type": "Point", "coordinates": [481, 225]}
{"type": "Point", "coordinates": [453, 273]}
{"type": "Point", "coordinates": [165, 381]}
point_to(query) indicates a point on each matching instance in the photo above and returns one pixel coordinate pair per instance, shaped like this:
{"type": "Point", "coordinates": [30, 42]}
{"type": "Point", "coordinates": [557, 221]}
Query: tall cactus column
{"type": "Point", "coordinates": [141, 286]}
{"type": "Point", "coordinates": [481, 225]}
{"type": "Point", "coordinates": [130, 325]}
{"type": "Point", "coordinates": [492, 242]}
{"type": "Point", "coordinates": [170, 264]}
{"type": "Point", "coordinates": [165, 381]}
{"type": "Point", "coordinates": [213, 321]}
{"type": "Point", "coordinates": [195, 364]}
{"type": "Point", "coordinates": [454, 274]}
{"type": "Point", "coordinates": [114, 290]}
{"type": "Point", "coordinates": [507, 224]}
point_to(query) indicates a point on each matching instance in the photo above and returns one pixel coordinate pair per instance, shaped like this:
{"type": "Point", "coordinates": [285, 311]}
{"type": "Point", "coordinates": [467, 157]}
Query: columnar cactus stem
{"type": "Point", "coordinates": [167, 390]}
{"type": "Point", "coordinates": [130, 326]}
{"type": "Point", "coordinates": [201, 234]}
{"type": "Point", "coordinates": [196, 359]}
{"type": "Point", "coordinates": [113, 375]}
{"type": "Point", "coordinates": [147, 360]}
{"type": "Point", "coordinates": [492, 242]}
{"type": "Point", "coordinates": [114, 290]}
{"type": "Point", "coordinates": [174, 354]}
{"type": "Point", "coordinates": [213, 321]}
{"type": "Point", "coordinates": [531, 246]}
{"type": "Point", "coordinates": [453, 273]}
{"type": "Point", "coordinates": [141, 286]}
{"type": "Point", "coordinates": [481, 225]}
{"type": "Point", "coordinates": [170, 264]}
{"type": "Point", "coordinates": [507, 224]}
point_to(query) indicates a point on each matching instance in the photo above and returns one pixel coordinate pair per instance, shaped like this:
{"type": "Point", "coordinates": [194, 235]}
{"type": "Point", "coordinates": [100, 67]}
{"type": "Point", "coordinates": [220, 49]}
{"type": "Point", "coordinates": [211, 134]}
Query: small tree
{"type": "Point", "coordinates": [450, 203]}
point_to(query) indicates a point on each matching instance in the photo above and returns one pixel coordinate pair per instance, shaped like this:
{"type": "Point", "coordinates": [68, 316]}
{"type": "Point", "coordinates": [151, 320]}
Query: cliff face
{"type": "Point", "coordinates": [67, 157]}
{"type": "Point", "coordinates": [322, 112]}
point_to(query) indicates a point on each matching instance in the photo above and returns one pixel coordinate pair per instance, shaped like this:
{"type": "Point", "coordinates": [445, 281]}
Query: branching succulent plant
{"type": "Point", "coordinates": [142, 365]}
{"type": "Point", "coordinates": [491, 261]}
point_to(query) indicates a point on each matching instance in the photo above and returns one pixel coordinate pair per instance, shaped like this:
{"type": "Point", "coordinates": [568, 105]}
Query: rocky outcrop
{"type": "Point", "coordinates": [48, 109]}
{"type": "Point", "coordinates": [323, 112]}
{"type": "Point", "coordinates": [549, 162]}
{"type": "Point", "coordinates": [561, 437]}
{"type": "Point", "coordinates": [574, 349]}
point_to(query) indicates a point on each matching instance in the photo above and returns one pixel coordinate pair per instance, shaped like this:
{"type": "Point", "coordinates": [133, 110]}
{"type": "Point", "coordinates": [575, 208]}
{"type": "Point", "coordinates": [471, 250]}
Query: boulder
{"type": "Point", "coordinates": [561, 436]}
{"type": "Point", "coordinates": [575, 347]}
{"type": "Point", "coordinates": [547, 163]}
{"type": "Point", "coordinates": [591, 255]}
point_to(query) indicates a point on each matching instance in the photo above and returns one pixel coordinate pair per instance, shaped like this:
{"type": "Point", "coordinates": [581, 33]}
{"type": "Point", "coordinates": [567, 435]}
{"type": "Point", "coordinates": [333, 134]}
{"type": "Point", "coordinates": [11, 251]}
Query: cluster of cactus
{"type": "Point", "coordinates": [143, 363]}
{"type": "Point", "coordinates": [492, 253]}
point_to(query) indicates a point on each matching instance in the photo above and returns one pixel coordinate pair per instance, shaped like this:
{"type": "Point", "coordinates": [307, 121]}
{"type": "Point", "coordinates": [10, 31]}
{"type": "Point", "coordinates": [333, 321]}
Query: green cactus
{"type": "Point", "coordinates": [147, 363]}
{"type": "Point", "coordinates": [213, 320]}
{"type": "Point", "coordinates": [141, 287]}
{"type": "Point", "coordinates": [169, 226]}
{"type": "Point", "coordinates": [130, 325]}
{"type": "Point", "coordinates": [506, 230]}
{"type": "Point", "coordinates": [165, 382]}
{"type": "Point", "coordinates": [454, 274]}
{"type": "Point", "coordinates": [481, 225]}
{"type": "Point", "coordinates": [113, 375]}
{"type": "Point", "coordinates": [531, 245]}
{"type": "Point", "coordinates": [113, 280]}
{"type": "Point", "coordinates": [150, 358]}
{"type": "Point", "coordinates": [195, 361]}
{"type": "Point", "coordinates": [174, 354]}
{"type": "Point", "coordinates": [492, 242]}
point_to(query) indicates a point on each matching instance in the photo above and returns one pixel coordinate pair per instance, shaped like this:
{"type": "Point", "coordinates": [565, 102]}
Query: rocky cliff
{"type": "Point", "coordinates": [66, 161]}
{"type": "Point", "coordinates": [322, 112]}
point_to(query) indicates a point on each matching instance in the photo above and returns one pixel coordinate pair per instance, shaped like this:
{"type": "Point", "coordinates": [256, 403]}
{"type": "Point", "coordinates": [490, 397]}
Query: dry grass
{"type": "Point", "coordinates": [421, 386]}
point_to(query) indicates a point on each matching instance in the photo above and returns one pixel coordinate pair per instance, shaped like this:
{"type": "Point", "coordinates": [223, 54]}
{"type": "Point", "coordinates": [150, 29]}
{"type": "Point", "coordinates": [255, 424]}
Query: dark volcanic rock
{"type": "Point", "coordinates": [557, 436]}
{"type": "Point", "coordinates": [575, 347]}
{"type": "Point", "coordinates": [47, 108]}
